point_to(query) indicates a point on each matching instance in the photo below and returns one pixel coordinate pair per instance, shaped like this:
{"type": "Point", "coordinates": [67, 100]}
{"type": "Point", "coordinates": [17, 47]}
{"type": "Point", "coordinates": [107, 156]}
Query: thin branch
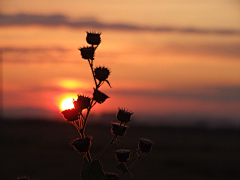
{"type": "Point", "coordinates": [105, 148]}
{"type": "Point", "coordinates": [91, 66]}
{"type": "Point", "coordinates": [139, 157]}
{"type": "Point", "coordinates": [77, 127]}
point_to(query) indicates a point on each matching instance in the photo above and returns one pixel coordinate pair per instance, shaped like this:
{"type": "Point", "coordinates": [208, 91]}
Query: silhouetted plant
{"type": "Point", "coordinates": [23, 178]}
{"type": "Point", "coordinates": [92, 168]}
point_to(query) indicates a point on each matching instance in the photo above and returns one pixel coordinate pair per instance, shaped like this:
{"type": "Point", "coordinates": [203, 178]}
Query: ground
{"type": "Point", "coordinates": [41, 150]}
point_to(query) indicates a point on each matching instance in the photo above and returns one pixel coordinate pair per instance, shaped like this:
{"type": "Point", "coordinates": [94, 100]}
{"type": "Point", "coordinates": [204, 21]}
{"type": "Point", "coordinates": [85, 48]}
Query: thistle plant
{"type": "Point", "coordinates": [92, 168]}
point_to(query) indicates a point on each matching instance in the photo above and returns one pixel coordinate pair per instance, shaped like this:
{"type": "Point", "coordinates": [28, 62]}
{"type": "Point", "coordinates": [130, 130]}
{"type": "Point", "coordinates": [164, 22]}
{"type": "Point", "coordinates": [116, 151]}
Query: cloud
{"type": "Point", "coordinates": [60, 20]}
{"type": "Point", "coordinates": [220, 94]}
{"type": "Point", "coordinates": [34, 49]}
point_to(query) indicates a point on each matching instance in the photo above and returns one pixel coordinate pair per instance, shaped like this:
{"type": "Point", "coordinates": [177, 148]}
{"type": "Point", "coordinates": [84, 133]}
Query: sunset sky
{"type": "Point", "coordinates": [167, 58]}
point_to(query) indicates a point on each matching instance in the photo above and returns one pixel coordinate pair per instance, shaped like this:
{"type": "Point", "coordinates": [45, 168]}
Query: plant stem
{"type": "Point", "coordinates": [91, 66]}
{"type": "Point", "coordinates": [88, 156]}
{"type": "Point", "coordinates": [79, 130]}
{"type": "Point", "coordinates": [143, 154]}
{"type": "Point", "coordinates": [105, 148]}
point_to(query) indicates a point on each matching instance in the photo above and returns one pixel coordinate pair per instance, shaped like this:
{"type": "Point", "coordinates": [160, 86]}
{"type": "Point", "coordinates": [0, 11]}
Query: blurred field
{"type": "Point", "coordinates": [41, 150]}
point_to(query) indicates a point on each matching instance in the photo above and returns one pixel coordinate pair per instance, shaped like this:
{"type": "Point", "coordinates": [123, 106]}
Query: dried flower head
{"type": "Point", "coordinates": [101, 73]}
{"type": "Point", "coordinates": [81, 144]}
{"type": "Point", "coordinates": [117, 129]}
{"type": "Point", "coordinates": [87, 52]}
{"type": "Point", "coordinates": [70, 114]}
{"type": "Point", "coordinates": [23, 178]}
{"type": "Point", "coordinates": [81, 103]}
{"type": "Point", "coordinates": [122, 155]}
{"type": "Point", "coordinates": [99, 96]}
{"type": "Point", "coordinates": [145, 145]}
{"type": "Point", "coordinates": [124, 115]}
{"type": "Point", "coordinates": [111, 176]}
{"type": "Point", "coordinates": [93, 38]}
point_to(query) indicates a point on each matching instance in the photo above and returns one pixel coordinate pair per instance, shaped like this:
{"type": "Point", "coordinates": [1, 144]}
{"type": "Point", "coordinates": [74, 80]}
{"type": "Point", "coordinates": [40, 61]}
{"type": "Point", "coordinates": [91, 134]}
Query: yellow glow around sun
{"type": "Point", "coordinates": [67, 104]}
{"type": "Point", "coordinates": [72, 84]}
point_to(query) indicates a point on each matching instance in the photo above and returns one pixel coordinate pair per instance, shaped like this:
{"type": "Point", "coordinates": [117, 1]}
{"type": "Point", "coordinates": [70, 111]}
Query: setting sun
{"type": "Point", "coordinates": [67, 104]}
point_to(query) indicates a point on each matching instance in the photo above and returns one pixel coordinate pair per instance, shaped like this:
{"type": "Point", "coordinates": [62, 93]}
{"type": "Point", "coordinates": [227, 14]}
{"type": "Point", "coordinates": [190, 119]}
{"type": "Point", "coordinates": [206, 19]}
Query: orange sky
{"type": "Point", "coordinates": [166, 58]}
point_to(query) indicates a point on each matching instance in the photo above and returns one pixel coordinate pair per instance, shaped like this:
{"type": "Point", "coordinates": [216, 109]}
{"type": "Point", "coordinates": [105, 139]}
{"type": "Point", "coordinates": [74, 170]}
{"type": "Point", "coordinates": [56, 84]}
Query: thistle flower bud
{"type": "Point", "coordinates": [81, 144]}
{"type": "Point", "coordinates": [123, 115]}
{"type": "Point", "coordinates": [99, 96]}
{"type": "Point", "coordinates": [122, 155]}
{"type": "Point", "coordinates": [81, 103]}
{"type": "Point", "coordinates": [101, 73]}
{"type": "Point", "coordinates": [22, 178]}
{"type": "Point", "coordinates": [117, 129]}
{"type": "Point", "coordinates": [93, 38]}
{"type": "Point", "coordinates": [87, 52]}
{"type": "Point", "coordinates": [70, 114]}
{"type": "Point", "coordinates": [145, 145]}
{"type": "Point", "coordinates": [111, 176]}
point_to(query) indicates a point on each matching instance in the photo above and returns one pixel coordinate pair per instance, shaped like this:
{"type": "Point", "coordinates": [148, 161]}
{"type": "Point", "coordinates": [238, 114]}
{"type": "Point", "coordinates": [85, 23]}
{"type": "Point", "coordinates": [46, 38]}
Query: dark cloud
{"type": "Point", "coordinates": [34, 49]}
{"type": "Point", "coordinates": [221, 94]}
{"type": "Point", "coordinates": [30, 112]}
{"type": "Point", "coordinates": [60, 20]}
{"type": "Point", "coordinates": [37, 55]}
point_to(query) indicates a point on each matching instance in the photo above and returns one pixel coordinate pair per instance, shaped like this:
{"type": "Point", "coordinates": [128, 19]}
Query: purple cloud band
{"type": "Point", "coordinates": [60, 20]}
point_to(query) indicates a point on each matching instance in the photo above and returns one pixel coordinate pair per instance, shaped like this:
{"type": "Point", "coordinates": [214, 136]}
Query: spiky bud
{"type": "Point", "coordinates": [101, 73]}
{"type": "Point", "coordinates": [124, 115]}
{"type": "Point", "coordinates": [93, 38]}
{"type": "Point", "coordinates": [122, 155]}
{"type": "Point", "coordinates": [70, 114]}
{"type": "Point", "coordinates": [81, 103]}
{"type": "Point", "coordinates": [117, 129]}
{"type": "Point", "coordinates": [145, 145]}
{"type": "Point", "coordinates": [99, 96]}
{"type": "Point", "coordinates": [81, 144]}
{"type": "Point", "coordinates": [87, 52]}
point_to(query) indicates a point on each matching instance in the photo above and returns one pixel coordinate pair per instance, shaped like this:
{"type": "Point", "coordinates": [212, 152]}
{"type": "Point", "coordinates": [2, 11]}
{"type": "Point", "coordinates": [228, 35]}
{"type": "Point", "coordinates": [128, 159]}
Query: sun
{"type": "Point", "coordinates": [66, 104]}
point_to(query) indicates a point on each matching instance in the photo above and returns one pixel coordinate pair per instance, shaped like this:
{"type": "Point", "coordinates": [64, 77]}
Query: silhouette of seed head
{"type": "Point", "coordinates": [93, 38]}
{"type": "Point", "coordinates": [99, 96]}
{"type": "Point", "coordinates": [117, 129]}
{"type": "Point", "coordinates": [87, 52]}
{"type": "Point", "coordinates": [145, 145]}
{"type": "Point", "coordinates": [101, 73]}
{"type": "Point", "coordinates": [124, 115]}
{"type": "Point", "coordinates": [111, 176]}
{"type": "Point", "coordinates": [81, 103]}
{"type": "Point", "coordinates": [70, 114]}
{"type": "Point", "coordinates": [122, 155]}
{"type": "Point", "coordinates": [81, 144]}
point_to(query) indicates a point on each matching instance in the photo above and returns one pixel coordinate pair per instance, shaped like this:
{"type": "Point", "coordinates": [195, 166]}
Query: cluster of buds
{"type": "Point", "coordinates": [92, 39]}
{"type": "Point", "coordinates": [119, 129]}
{"type": "Point", "coordinates": [100, 74]}
{"type": "Point", "coordinates": [82, 102]}
{"type": "Point", "coordinates": [124, 155]}
{"type": "Point", "coordinates": [92, 166]}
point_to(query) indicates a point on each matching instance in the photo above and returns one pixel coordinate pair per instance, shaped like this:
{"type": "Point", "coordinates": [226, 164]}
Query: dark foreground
{"type": "Point", "coordinates": [41, 150]}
